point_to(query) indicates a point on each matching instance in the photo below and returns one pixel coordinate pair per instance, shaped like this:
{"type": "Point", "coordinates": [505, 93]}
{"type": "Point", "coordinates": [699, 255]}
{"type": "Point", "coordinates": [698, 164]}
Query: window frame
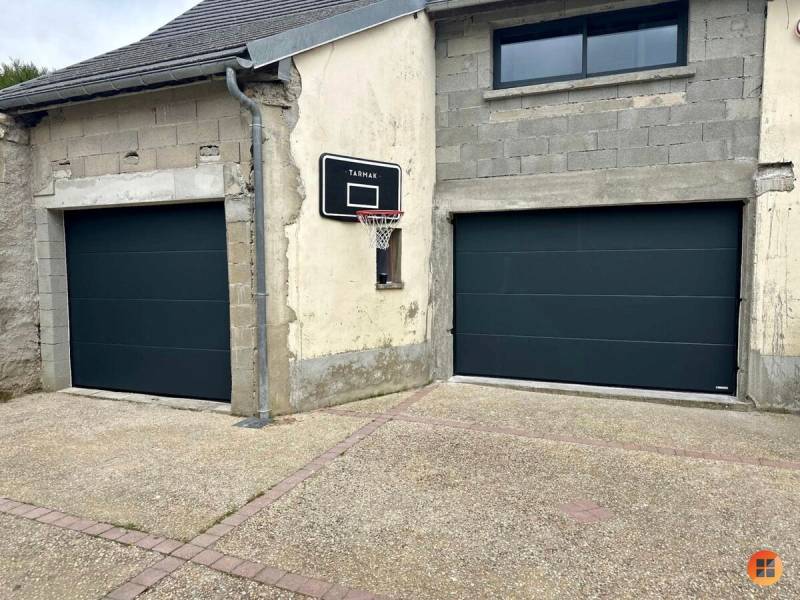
{"type": "Point", "coordinates": [653, 13]}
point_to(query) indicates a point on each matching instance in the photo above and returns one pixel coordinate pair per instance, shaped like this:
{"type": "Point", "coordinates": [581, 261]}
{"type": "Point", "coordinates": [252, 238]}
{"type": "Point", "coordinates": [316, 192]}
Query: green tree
{"type": "Point", "coordinates": [16, 71]}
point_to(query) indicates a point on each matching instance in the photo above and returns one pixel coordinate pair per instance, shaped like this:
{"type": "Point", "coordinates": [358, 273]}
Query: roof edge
{"type": "Point", "coordinates": [274, 48]}
{"type": "Point", "coordinates": [153, 75]}
{"type": "Point", "coordinates": [437, 8]}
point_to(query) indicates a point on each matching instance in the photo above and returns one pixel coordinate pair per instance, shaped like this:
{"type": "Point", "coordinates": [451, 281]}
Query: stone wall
{"type": "Point", "coordinates": [711, 115]}
{"type": "Point", "coordinates": [19, 331]}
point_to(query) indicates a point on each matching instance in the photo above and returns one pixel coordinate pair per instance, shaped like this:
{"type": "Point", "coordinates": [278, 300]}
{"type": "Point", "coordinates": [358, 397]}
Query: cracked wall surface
{"type": "Point", "coordinates": [368, 96]}
{"type": "Point", "coordinates": [19, 323]}
{"type": "Point", "coordinates": [775, 338]}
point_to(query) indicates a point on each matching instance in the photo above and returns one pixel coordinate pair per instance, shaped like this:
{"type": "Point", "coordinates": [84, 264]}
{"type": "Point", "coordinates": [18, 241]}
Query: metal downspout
{"type": "Point", "coordinates": [261, 263]}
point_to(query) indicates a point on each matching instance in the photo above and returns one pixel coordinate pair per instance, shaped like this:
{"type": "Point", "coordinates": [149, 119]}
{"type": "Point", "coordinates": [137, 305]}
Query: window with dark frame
{"type": "Point", "coordinates": [622, 41]}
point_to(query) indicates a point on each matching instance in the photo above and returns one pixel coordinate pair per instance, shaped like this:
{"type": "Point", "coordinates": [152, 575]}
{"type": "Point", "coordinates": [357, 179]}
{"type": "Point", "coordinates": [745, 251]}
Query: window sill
{"type": "Point", "coordinates": [394, 285]}
{"type": "Point", "coordinates": [592, 82]}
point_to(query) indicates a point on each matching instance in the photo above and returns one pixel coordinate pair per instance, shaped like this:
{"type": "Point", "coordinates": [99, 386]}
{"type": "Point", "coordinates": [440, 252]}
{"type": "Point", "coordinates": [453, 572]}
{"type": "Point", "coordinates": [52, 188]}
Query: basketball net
{"type": "Point", "coordinates": [380, 224]}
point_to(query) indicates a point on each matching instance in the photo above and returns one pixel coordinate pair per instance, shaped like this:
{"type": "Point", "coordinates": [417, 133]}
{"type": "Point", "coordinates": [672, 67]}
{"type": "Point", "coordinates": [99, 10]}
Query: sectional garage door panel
{"type": "Point", "coordinates": [149, 309]}
{"type": "Point", "coordinates": [634, 296]}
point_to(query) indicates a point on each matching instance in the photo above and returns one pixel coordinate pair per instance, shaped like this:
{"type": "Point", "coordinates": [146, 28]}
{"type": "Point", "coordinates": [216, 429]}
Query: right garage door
{"type": "Point", "coordinates": [644, 296]}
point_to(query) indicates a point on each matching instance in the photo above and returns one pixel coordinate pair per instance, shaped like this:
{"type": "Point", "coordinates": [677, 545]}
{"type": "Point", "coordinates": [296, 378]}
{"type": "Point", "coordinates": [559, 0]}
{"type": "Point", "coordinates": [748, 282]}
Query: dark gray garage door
{"type": "Point", "coordinates": [148, 300]}
{"type": "Point", "coordinates": [636, 296]}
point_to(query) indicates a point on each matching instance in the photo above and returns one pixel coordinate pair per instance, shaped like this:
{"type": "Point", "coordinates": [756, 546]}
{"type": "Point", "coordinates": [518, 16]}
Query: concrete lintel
{"type": "Point", "coordinates": [694, 182]}
{"type": "Point", "coordinates": [592, 82]}
{"type": "Point", "coordinates": [206, 182]}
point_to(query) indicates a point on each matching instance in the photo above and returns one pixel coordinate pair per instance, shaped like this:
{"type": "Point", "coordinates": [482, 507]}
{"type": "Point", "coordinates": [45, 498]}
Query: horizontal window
{"type": "Point", "coordinates": [599, 44]}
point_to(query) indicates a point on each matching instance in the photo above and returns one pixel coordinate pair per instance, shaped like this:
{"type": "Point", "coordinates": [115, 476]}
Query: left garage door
{"type": "Point", "coordinates": [148, 300]}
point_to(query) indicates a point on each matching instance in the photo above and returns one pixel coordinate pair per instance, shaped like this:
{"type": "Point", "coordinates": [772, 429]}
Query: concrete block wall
{"type": "Point", "coordinates": [19, 320]}
{"type": "Point", "coordinates": [168, 129]}
{"type": "Point", "coordinates": [712, 115]}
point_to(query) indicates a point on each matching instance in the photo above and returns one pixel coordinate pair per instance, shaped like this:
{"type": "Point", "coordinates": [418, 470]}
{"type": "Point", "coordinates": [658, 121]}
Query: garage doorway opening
{"type": "Point", "coordinates": [149, 308]}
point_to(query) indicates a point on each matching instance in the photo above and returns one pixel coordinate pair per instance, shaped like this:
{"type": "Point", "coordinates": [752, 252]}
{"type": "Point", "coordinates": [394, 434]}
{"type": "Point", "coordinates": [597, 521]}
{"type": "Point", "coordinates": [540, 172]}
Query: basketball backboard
{"type": "Point", "coordinates": [348, 185]}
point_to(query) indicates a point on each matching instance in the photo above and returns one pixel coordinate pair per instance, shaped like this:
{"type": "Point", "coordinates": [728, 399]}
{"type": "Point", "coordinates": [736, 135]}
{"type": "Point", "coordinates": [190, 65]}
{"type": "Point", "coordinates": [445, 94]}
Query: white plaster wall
{"type": "Point", "coordinates": [776, 316]}
{"type": "Point", "coordinates": [370, 96]}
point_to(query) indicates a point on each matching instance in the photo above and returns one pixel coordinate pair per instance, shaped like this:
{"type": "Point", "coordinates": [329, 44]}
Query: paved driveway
{"type": "Point", "coordinates": [453, 491]}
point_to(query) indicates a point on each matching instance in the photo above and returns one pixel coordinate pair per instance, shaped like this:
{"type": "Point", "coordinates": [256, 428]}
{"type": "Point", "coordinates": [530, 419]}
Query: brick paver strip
{"type": "Point", "coordinates": [127, 591]}
{"type": "Point", "coordinates": [595, 443]}
{"type": "Point", "coordinates": [149, 577]}
{"type": "Point", "coordinates": [199, 550]}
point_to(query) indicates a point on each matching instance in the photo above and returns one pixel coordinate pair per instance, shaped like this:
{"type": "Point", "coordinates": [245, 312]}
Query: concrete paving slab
{"type": "Point", "coordinates": [40, 562]}
{"type": "Point", "coordinates": [167, 472]}
{"type": "Point", "coordinates": [417, 511]}
{"type": "Point", "coordinates": [749, 434]}
{"type": "Point", "coordinates": [194, 582]}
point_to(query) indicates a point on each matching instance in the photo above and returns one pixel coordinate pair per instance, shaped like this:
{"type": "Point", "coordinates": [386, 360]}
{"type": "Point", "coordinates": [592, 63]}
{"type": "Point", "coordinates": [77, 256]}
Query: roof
{"type": "Point", "coordinates": [204, 41]}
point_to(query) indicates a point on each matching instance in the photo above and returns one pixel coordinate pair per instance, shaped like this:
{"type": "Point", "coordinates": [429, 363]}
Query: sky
{"type": "Point", "coordinates": [58, 33]}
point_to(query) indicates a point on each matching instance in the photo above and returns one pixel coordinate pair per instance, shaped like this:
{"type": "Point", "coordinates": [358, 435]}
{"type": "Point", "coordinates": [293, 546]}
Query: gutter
{"type": "Point", "coordinates": [261, 262]}
{"type": "Point", "coordinates": [134, 79]}
{"type": "Point", "coordinates": [435, 7]}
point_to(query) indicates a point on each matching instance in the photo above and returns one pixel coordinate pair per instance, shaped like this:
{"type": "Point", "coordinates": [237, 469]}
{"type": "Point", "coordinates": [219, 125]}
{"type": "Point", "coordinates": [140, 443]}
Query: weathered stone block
{"type": "Point", "coordinates": [551, 163]}
{"type": "Point", "coordinates": [448, 154]}
{"type": "Point", "coordinates": [99, 124]}
{"type": "Point", "coordinates": [539, 127]}
{"type": "Point", "coordinates": [526, 147]}
{"type": "Point", "coordinates": [676, 134]}
{"type": "Point", "coordinates": [467, 117]}
{"type": "Point", "coordinates": [697, 112]}
{"type": "Point", "coordinates": [102, 164]}
{"type": "Point", "coordinates": [84, 146]}
{"type": "Point", "coordinates": [495, 167]}
{"type": "Point", "coordinates": [176, 157]}
{"type": "Point", "coordinates": [456, 83]}
{"type": "Point", "coordinates": [217, 106]}
{"type": "Point", "coordinates": [198, 132]}
{"type": "Point", "coordinates": [643, 117]}
{"type": "Point", "coordinates": [455, 136]}
{"type": "Point", "coordinates": [180, 112]}
{"type": "Point", "coordinates": [462, 170]}
{"type": "Point", "coordinates": [497, 131]}
{"type": "Point", "coordinates": [158, 137]}
{"type": "Point", "coordinates": [718, 89]}
{"type": "Point", "coordinates": [596, 159]}
{"type": "Point", "coordinates": [468, 45]}
{"type": "Point", "coordinates": [623, 138]}
{"type": "Point", "coordinates": [574, 142]}
{"type": "Point", "coordinates": [233, 128]}
{"type": "Point", "coordinates": [593, 122]}
{"type": "Point", "coordinates": [137, 118]}
{"type": "Point", "coordinates": [698, 152]}
{"type": "Point", "coordinates": [481, 151]}
{"type": "Point", "coordinates": [639, 157]}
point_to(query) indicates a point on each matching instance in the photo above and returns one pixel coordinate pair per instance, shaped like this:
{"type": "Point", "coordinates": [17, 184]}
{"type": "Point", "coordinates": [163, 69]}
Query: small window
{"type": "Point", "coordinates": [388, 261]}
{"type": "Point", "coordinates": [599, 44]}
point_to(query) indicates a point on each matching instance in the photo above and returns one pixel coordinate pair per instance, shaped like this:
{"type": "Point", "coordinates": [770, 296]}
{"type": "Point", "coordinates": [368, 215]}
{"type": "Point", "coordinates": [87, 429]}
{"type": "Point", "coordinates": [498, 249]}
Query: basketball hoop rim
{"type": "Point", "coordinates": [379, 213]}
